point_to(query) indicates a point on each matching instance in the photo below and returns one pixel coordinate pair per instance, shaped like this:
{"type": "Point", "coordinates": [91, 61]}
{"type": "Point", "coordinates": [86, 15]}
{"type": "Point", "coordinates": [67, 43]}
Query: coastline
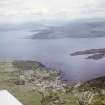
{"type": "Point", "coordinates": [35, 84]}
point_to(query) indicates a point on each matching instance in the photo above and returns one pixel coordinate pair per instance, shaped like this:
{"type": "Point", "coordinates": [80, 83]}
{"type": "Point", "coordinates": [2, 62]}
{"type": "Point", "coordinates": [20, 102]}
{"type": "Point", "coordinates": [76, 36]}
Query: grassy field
{"type": "Point", "coordinates": [23, 92]}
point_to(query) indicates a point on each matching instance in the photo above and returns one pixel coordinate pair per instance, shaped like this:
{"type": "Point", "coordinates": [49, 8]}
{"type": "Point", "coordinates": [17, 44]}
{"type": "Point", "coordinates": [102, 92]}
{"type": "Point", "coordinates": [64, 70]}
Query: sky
{"type": "Point", "coordinates": [34, 10]}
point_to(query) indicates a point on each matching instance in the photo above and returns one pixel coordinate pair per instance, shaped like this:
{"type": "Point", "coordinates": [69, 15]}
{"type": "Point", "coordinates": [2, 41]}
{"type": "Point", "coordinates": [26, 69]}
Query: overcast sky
{"type": "Point", "coordinates": [29, 10]}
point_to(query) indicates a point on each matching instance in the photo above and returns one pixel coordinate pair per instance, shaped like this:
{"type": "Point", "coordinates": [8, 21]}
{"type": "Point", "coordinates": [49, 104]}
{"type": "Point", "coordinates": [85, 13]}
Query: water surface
{"type": "Point", "coordinates": [54, 53]}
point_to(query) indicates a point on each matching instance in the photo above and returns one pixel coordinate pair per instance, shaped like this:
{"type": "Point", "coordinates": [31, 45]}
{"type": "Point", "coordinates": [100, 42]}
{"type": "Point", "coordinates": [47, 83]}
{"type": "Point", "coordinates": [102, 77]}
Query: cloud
{"type": "Point", "coordinates": [20, 10]}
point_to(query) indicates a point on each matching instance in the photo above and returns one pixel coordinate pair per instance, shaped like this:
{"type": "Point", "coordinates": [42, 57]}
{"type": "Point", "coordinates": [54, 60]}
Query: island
{"type": "Point", "coordinates": [94, 54]}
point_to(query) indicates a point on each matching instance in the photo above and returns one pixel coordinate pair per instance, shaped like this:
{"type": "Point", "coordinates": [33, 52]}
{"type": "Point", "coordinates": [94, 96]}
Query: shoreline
{"type": "Point", "coordinates": [25, 60]}
{"type": "Point", "coordinates": [61, 74]}
{"type": "Point", "coordinates": [45, 86]}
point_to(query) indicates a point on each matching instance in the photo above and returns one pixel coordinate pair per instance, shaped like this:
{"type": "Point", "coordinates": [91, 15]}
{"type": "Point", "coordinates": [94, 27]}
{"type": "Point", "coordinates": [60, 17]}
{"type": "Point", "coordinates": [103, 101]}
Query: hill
{"type": "Point", "coordinates": [73, 29]}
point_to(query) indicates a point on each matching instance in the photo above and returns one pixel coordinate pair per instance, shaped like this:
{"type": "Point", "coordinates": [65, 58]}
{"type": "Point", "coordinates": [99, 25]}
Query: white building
{"type": "Point", "coordinates": [7, 99]}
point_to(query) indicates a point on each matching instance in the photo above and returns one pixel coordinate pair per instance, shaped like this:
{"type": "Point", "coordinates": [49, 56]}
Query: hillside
{"type": "Point", "coordinates": [34, 84]}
